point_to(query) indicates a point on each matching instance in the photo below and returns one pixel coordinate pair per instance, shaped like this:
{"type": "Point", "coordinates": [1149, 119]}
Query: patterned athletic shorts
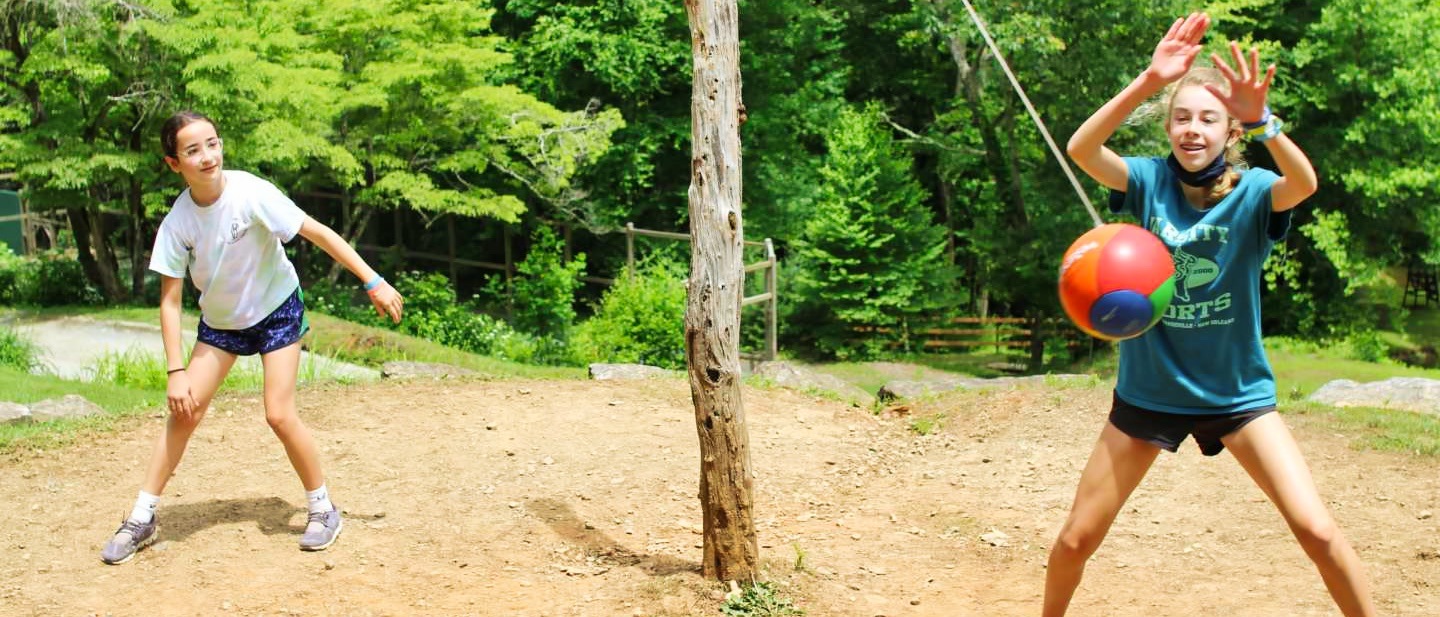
{"type": "Point", "coordinates": [277, 330]}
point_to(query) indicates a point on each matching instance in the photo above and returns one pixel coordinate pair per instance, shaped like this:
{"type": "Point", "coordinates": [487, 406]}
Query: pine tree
{"type": "Point", "coordinates": [871, 254]}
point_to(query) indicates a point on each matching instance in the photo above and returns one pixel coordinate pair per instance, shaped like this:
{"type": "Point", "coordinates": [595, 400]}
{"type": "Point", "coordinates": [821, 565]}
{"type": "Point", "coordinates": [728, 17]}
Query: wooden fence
{"type": "Point", "coordinates": [1022, 336]}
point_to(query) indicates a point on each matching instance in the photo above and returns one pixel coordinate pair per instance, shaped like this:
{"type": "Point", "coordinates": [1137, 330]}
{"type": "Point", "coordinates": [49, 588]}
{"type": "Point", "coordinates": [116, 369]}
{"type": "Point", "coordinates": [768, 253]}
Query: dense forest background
{"type": "Point", "coordinates": [885, 153]}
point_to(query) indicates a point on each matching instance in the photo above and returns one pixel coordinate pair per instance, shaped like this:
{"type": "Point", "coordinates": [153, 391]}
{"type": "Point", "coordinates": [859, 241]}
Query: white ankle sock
{"type": "Point", "coordinates": [144, 510]}
{"type": "Point", "coordinates": [319, 499]}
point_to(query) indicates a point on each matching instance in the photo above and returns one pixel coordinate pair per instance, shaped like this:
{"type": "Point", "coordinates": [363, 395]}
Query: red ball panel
{"type": "Point", "coordinates": [1134, 259]}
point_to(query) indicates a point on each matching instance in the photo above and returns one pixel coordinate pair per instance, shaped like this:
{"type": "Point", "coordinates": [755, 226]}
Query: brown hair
{"type": "Point", "coordinates": [1201, 76]}
{"type": "Point", "coordinates": [174, 123]}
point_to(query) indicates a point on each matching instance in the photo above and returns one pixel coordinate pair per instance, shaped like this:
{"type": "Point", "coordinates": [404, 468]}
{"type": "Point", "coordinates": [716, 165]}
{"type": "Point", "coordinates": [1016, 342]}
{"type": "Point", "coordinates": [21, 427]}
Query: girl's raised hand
{"type": "Point", "coordinates": [1177, 51]}
{"type": "Point", "coordinates": [1248, 87]}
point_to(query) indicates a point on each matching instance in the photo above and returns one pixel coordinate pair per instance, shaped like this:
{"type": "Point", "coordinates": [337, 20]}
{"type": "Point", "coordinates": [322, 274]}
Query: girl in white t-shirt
{"type": "Point", "coordinates": [226, 230]}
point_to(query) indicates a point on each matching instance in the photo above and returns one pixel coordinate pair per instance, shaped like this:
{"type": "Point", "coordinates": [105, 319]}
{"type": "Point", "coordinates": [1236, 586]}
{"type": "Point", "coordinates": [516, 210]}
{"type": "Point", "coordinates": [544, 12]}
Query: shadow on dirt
{"type": "Point", "coordinates": [568, 526]}
{"type": "Point", "coordinates": [271, 515]}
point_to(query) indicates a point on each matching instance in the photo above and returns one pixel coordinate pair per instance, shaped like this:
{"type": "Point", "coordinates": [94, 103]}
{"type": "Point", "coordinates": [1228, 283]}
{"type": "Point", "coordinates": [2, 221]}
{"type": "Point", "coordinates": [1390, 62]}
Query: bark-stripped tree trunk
{"type": "Point", "coordinates": [712, 311]}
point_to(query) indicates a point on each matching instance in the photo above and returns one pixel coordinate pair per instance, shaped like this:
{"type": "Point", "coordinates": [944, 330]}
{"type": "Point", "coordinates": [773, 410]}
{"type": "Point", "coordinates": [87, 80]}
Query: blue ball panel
{"type": "Point", "coordinates": [1121, 314]}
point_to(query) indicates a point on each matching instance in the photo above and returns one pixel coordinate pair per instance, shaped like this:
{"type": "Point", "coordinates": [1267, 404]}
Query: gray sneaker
{"type": "Point", "coordinates": [128, 540]}
{"type": "Point", "coordinates": [321, 530]}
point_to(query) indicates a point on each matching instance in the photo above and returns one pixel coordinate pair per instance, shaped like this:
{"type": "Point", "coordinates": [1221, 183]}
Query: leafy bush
{"type": "Point", "coordinates": [15, 350]}
{"type": "Point", "coordinates": [640, 320]}
{"type": "Point", "coordinates": [340, 300]}
{"type": "Point", "coordinates": [433, 312]}
{"type": "Point", "coordinates": [543, 293]}
{"type": "Point", "coordinates": [52, 278]}
{"type": "Point", "coordinates": [758, 599]}
{"type": "Point", "coordinates": [1367, 346]}
{"type": "Point", "coordinates": [10, 265]}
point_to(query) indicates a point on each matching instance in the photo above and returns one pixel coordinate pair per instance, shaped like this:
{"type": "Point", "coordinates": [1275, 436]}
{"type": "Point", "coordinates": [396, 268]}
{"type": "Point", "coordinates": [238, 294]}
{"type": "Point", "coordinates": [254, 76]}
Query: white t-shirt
{"type": "Point", "coordinates": [232, 249]}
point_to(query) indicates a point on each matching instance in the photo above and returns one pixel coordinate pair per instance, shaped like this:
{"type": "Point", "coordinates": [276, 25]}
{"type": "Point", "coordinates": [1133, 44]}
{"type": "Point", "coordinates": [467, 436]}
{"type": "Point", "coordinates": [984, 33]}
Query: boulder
{"type": "Point", "coordinates": [402, 369]}
{"type": "Point", "coordinates": [910, 389]}
{"type": "Point", "coordinates": [1407, 393]}
{"type": "Point", "coordinates": [626, 371]}
{"type": "Point", "coordinates": [13, 412]}
{"type": "Point", "coordinates": [68, 406]}
{"type": "Point", "coordinates": [804, 378]}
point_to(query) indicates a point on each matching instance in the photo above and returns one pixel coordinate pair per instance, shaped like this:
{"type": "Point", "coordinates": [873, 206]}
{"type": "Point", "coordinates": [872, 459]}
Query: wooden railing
{"type": "Point", "coordinates": [1023, 336]}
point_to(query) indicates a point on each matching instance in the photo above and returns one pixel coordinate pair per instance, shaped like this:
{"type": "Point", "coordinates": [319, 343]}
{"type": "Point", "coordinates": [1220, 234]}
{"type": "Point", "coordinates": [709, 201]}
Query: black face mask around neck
{"type": "Point", "coordinates": [1198, 179]}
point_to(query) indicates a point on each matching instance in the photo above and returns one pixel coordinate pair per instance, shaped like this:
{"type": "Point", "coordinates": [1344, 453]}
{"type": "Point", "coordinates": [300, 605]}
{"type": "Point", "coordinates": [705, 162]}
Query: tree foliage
{"type": "Point", "coordinates": [533, 112]}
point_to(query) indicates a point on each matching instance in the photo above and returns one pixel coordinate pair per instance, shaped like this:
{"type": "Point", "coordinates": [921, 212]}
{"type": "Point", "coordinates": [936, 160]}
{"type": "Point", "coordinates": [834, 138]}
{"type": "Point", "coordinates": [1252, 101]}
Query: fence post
{"type": "Point", "coordinates": [1037, 344]}
{"type": "Point", "coordinates": [772, 307]}
{"type": "Point", "coordinates": [450, 238]}
{"type": "Point", "coordinates": [630, 247]}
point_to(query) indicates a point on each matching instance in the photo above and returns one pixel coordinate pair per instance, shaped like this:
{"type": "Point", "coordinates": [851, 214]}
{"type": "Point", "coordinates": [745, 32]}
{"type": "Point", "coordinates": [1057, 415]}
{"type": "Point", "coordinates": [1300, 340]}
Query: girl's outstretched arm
{"type": "Point", "coordinates": [387, 301]}
{"type": "Point", "coordinates": [177, 388]}
{"type": "Point", "coordinates": [1172, 58]}
{"type": "Point", "coordinates": [1249, 88]}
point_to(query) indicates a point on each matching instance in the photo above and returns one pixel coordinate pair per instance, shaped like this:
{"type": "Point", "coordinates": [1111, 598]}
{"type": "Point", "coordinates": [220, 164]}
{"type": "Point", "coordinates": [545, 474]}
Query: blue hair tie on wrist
{"type": "Point", "coordinates": [375, 282]}
{"type": "Point", "coordinates": [1264, 119]}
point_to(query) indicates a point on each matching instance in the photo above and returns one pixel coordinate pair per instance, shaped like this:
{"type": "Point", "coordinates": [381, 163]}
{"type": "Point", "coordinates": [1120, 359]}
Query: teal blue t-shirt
{"type": "Point", "coordinates": [1205, 356]}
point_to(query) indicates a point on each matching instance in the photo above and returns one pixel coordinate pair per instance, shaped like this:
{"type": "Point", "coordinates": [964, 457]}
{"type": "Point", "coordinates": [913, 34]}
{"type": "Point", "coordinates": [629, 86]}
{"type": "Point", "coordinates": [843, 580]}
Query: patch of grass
{"type": "Point", "coordinates": [927, 424]}
{"type": "Point", "coordinates": [858, 373]}
{"type": "Point", "coordinates": [24, 388]}
{"type": "Point", "coordinates": [370, 346]}
{"type": "Point", "coordinates": [978, 363]}
{"type": "Point", "coordinates": [800, 554]}
{"type": "Point", "coordinates": [1423, 325]}
{"type": "Point", "coordinates": [137, 368]}
{"type": "Point", "coordinates": [759, 599]}
{"type": "Point", "coordinates": [1387, 430]}
{"type": "Point", "coordinates": [15, 351]}
{"type": "Point", "coordinates": [1301, 368]}
{"type": "Point", "coordinates": [348, 342]}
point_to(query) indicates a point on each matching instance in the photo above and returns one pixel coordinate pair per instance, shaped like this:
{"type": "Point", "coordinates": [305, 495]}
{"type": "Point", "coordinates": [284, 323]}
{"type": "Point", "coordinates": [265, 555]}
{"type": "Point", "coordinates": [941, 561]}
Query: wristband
{"type": "Point", "coordinates": [375, 282]}
{"type": "Point", "coordinates": [1264, 119]}
{"type": "Point", "coordinates": [174, 370]}
{"type": "Point", "coordinates": [1267, 131]}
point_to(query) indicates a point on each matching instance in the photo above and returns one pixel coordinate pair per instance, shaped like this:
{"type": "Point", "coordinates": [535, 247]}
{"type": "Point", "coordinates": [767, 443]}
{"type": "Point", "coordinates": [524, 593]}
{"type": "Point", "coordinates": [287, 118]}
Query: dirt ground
{"type": "Point", "coordinates": [530, 498]}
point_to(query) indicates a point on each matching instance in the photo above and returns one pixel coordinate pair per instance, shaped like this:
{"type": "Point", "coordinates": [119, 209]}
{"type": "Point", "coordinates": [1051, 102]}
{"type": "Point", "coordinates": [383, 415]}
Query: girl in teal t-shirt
{"type": "Point", "coordinates": [1202, 370]}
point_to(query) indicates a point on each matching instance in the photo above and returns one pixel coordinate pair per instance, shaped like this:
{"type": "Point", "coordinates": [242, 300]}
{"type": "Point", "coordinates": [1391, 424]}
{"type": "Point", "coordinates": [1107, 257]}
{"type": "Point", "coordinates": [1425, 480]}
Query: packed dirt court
{"type": "Point", "coordinates": [578, 498]}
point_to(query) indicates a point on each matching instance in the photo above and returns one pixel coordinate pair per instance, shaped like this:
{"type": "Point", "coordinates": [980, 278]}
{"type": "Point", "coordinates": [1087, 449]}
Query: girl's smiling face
{"type": "Point", "coordinates": [1199, 127]}
{"type": "Point", "coordinates": [199, 153]}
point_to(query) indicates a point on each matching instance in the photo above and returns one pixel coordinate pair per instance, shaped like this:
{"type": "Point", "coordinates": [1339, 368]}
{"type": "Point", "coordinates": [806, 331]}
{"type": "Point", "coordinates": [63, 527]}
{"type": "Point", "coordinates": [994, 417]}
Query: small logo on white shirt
{"type": "Point", "coordinates": [238, 229]}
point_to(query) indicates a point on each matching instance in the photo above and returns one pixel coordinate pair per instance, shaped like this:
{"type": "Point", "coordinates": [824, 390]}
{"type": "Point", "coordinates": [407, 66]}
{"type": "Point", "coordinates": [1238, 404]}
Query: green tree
{"type": "Point", "coordinates": [79, 85]}
{"type": "Point", "coordinates": [795, 82]}
{"type": "Point", "coordinates": [871, 255]}
{"type": "Point", "coordinates": [629, 57]}
{"type": "Point", "coordinates": [1359, 92]}
{"type": "Point", "coordinates": [542, 294]}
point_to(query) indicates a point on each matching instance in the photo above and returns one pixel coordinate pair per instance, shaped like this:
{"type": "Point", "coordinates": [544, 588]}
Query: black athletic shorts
{"type": "Point", "coordinates": [1167, 430]}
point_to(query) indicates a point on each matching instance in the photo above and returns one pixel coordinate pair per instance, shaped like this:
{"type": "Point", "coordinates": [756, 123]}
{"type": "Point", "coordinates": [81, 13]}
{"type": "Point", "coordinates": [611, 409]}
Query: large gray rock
{"type": "Point", "coordinates": [801, 377]}
{"type": "Point", "coordinates": [13, 412]}
{"type": "Point", "coordinates": [403, 369]}
{"type": "Point", "coordinates": [68, 406]}
{"type": "Point", "coordinates": [910, 389]}
{"type": "Point", "coordinates": [602, 372]}
{"type": "Point", "coordinates": [1407, 393]}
